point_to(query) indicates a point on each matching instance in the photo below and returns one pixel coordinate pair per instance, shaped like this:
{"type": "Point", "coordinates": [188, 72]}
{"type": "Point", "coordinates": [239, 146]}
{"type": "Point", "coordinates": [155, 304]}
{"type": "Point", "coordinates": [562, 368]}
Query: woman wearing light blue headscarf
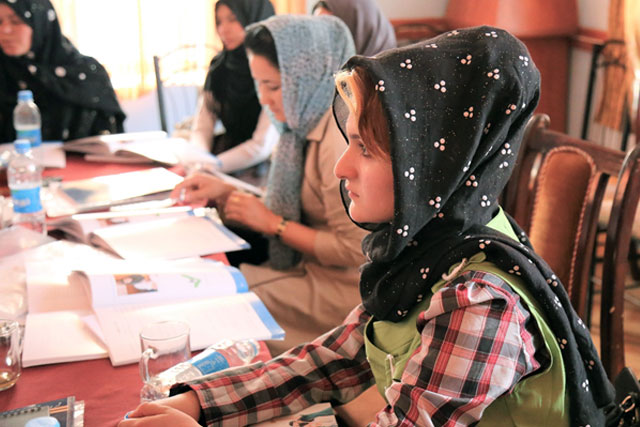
{"type": "Point", "coordinates": [310, 281]}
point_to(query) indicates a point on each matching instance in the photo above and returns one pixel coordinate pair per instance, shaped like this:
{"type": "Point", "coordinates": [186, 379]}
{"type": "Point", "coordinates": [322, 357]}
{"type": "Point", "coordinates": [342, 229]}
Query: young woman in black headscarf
{"type": "Point", "coordinates": [461, 322]}
{"type": "Point", "coordinates": [229, 93]}
{"type": "Point", "coordinates": [73, 91]}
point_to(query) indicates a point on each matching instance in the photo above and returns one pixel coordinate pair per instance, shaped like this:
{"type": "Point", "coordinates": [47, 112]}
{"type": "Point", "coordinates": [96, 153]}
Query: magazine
{"type": "Point", "coordinates": [212, 298]}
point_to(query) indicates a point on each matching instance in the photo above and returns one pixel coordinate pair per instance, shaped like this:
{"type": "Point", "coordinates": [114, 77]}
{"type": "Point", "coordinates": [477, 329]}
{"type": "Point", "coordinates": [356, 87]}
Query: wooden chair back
{"type": "Point", "coordinates": [615, 265]}
{"type": "Point", "coordinates": [180, 74]}
{"type": "Point", "coordinates": [555, 194]}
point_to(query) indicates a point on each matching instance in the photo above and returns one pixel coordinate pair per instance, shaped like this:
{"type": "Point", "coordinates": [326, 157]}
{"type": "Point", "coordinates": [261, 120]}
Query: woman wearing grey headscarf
{"type": "Point", "coordinates": [371, 30]}
{"type": "Point", "coordinates": [310, 280]}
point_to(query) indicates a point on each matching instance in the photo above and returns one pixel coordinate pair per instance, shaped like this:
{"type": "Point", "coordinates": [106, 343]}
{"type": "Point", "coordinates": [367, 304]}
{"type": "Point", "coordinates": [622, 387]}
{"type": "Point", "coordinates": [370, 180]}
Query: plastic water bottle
{"type": "Point", "coordinates": [27, 122]}
{"type": "Point", "coordinates": [24, 176]}
{"type": "Point", "coordinates": [214, 358]}
{"type": "Point", "coordinates": [26, 119]}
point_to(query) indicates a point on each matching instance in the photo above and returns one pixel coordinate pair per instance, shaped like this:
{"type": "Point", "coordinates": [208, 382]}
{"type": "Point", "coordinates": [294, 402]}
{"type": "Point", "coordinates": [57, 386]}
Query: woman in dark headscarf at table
{"type": "Point", "coordinates": [461, 322]}
{"type": "Point", "coordinates": [73, 91]}
{"type": "Point", "coordinates": [371, 30]}
{"type": "Point", "coordinates": [230, 96]}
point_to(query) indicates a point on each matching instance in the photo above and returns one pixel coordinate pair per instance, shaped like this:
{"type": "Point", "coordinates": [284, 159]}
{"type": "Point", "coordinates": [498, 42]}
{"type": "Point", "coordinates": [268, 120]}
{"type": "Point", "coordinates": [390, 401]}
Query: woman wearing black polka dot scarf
{"type": "Point", "coordinates": [73, 91]}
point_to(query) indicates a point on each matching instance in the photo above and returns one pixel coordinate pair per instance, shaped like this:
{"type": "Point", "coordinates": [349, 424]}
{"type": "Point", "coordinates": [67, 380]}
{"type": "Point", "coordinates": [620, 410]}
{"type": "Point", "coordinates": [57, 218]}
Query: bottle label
{"type": "Point", "coordinates": [26, 200]}
{"type": "Point", "coordinates": [207, 362]}
{"type": "Point", "coordinates": [33, 135]}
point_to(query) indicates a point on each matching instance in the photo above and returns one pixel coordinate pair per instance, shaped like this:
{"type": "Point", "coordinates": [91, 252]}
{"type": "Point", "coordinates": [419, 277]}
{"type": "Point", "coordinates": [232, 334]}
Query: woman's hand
{"type": "Point", "coordinates": [248, 210]}
{"type": "Point", "coordinates": [157, 415]}
{"type": "Point", "coordinates": [199, 188]}
{"type": "Point", "coordinates": [179, 410]}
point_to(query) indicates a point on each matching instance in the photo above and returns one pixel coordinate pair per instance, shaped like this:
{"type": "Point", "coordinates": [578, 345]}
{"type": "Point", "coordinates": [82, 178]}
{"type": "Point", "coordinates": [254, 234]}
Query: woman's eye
{"type": "Point", "coordinates": [363, 149]}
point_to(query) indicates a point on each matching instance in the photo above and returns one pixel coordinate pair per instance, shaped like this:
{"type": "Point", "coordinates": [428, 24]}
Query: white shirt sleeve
{"type": "Point", "coordinates": [252, 151]}
{"type": "Point", "coordinates": [203, 124]}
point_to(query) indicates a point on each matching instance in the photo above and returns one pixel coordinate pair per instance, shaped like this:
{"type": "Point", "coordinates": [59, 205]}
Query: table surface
{"type": "Point", "coordinates": [108, 392]}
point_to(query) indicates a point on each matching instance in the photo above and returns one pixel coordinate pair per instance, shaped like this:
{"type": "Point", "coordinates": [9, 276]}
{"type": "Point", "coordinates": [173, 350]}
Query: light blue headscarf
{"type": "Point", "coordinates": [310, 50]}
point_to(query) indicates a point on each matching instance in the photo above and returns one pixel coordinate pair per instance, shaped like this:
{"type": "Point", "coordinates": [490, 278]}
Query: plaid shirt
{"type": "Point", "coordinates": [478, 341]}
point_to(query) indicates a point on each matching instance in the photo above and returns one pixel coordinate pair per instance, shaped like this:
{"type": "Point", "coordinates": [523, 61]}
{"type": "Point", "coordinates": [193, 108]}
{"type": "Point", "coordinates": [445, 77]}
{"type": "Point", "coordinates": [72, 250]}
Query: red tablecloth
{"type": "Point", "coordinates": [108, 392]}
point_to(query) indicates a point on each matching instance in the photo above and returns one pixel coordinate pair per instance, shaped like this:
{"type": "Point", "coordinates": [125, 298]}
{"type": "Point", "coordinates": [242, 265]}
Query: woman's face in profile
{"type": "Point", "coordinates": [368, 179]}
{"type": "Point", "coordinates": [229, 29]}
{"type": "Point", "coordinates": [269, 84]}
{"type": "Point", "coordinates": [15, 34]}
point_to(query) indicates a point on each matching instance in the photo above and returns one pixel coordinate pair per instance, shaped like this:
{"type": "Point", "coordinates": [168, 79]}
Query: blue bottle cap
{"type": "Point", "coordinates": [25, 95]}
{"type": "Point", "coordinates": [22, 145]}
{"type": "Point", "coordinates": [42, 422]}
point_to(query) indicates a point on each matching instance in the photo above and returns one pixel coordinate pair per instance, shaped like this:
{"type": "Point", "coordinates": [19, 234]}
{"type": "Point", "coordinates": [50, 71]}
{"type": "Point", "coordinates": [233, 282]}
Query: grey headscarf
{"type": "Point", "coordinates": [310, 50]}
{"type": "Point", "coordinates": [371, 30]}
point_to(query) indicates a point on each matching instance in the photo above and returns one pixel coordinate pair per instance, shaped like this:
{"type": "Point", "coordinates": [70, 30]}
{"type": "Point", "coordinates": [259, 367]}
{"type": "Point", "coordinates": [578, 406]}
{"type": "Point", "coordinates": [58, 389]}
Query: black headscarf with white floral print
{"type": "Point", "coordinates": [457, 106]}
{"type": "Point", "coordinates": [73, 91]}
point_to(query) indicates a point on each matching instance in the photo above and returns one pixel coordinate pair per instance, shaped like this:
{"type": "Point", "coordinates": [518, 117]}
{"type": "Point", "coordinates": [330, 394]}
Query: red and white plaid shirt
{"type": "Point", "coordinates": [478, 341]}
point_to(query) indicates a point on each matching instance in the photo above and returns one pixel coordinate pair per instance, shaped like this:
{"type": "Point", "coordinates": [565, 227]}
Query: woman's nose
{"type": "Point", "coordinates": [263, 96]}
{"type": "Point", "coordinates": [344, 166]}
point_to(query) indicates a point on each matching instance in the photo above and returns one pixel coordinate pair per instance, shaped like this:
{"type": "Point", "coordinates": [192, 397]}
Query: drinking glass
{"type": "Point", "coordinates": [10, 353]}
{"type": "Point", "coordinates": [164, 344]}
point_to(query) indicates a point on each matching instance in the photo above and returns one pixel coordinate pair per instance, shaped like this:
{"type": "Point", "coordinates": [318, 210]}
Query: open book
{"type": "Point", "coordinates": [102, 192]}
{"type": "Point", "coordinates": [170, 237]}
{"type": "Point", "coordinates": [133, 147]}
{"type": "Point", "coordinates": [79, 227]}
{"type": "Point", "coordinates": [211, 297]}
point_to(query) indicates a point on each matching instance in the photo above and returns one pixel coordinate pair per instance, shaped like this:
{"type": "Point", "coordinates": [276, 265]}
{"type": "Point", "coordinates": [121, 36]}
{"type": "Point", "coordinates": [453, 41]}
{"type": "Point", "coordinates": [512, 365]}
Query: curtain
{"type": "Point", "coordinates": [620, 56]}
{"type": "Point", "coordinates": [124, 35]}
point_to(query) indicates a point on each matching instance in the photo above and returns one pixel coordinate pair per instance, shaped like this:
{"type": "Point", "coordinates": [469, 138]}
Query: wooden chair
{"type": "Point", "coordinates": [615, 265]}
{"type": "Point", "coordinates": [555, 194]}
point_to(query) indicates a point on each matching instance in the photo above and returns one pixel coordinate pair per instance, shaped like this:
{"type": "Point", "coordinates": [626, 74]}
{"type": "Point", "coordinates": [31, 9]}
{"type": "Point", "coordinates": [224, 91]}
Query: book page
{"type": "Point", "coordinates": [240, 316]}
{"type": "Point", "coordinates": [132, 283]}
{"type": "Point", "coordinates": [52, 300]}
{"type": "Point", "coordinates": [79, 226]}
{"type": "Point", "coordinates": [47, 268]}
{"type": "Point", "coordinates": [70, 340]}
{"type": "Point", "coordinates": [99, 144]}
{"type": "Point", "coordinates": [168, 238]}
{"type": "Point", "coordinates": [104, 191]}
